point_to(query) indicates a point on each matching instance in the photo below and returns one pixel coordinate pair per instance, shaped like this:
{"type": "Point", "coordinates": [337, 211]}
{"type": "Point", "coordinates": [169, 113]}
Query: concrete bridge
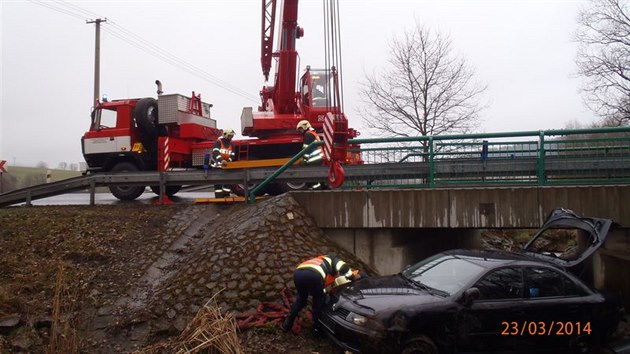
{"type": "Point", "coordinates": [389, 229]}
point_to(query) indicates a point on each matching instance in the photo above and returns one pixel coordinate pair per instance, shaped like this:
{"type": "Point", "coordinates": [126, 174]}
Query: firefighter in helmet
{"type": "Point", "coordinates": [314, 155]}
{"type": "Point", "coordinates": [311, 278]}
{"type": "Point", "coordinates": [221, 152]}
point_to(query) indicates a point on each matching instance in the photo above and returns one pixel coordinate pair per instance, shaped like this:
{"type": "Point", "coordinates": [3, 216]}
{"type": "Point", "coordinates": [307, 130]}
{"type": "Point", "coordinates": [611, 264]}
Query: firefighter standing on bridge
{"type": "Point", "coordinates": [314, 155]}
{"type": "Point", "coordinates": [310, 135]}
{"type": "Point", "coordinates": [221, 152]}
{"type": "Point", "coordinates": [311, 278]}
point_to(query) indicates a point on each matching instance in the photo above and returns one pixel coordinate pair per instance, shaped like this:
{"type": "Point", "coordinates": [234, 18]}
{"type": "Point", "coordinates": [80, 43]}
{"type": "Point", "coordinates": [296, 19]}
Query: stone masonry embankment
{"type": "Point", "coordinates": [244, 256]}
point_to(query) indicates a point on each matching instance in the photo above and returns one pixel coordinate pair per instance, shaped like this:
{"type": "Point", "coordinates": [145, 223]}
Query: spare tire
{"type": "Point", "coordinates": [146, 115]}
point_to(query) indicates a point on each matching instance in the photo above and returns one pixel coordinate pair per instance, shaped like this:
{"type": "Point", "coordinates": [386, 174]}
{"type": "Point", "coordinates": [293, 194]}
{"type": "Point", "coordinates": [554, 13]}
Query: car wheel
{"type": "Point", "coordinates": [420, 345]}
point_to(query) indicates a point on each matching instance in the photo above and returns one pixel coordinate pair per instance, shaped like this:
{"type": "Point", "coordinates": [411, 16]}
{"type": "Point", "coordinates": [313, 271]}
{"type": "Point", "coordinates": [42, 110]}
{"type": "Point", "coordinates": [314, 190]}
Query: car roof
{"type": "Point", "coordinates": [494, 259]}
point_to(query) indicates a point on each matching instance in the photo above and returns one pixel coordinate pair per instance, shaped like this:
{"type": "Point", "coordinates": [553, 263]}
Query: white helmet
{"type": "Point", "coordinates": [304, 125]}
{"type": "Point", "coordinates": [227, 132]}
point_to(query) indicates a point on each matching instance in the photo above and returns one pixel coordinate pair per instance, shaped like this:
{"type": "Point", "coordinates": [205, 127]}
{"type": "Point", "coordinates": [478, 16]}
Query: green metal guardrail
{"type": "Point", "coordinates": [549, 157]}
{"type": "Point", "coordinates": [251, 195]}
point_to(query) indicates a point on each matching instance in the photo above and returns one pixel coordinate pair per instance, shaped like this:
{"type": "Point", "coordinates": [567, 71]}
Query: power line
{"type": "Point", "coordinates": [77, 8]}
{"type": "Point", "coordinates": [142, 44]}
{"type": "Point", "coordinates": [154, 50]}
{"type": "Point", "coordinates": [58, 9]}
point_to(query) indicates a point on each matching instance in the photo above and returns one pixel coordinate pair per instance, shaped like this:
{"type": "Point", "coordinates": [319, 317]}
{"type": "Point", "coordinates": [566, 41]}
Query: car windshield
{"type": "Point", "coordinates": [446, 273]}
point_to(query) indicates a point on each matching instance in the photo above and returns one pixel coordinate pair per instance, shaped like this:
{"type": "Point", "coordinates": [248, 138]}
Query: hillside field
{"type": "Point", "coordinates": [20, 177]}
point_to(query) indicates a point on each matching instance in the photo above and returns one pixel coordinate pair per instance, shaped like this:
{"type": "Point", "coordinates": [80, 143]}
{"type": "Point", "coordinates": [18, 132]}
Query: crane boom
{"type": "Point", "coordinates": [268, 24]}
{"type": "Point", "coordinates": [316, 99]}
{"type": "Point", "coordinates": [282, 93]}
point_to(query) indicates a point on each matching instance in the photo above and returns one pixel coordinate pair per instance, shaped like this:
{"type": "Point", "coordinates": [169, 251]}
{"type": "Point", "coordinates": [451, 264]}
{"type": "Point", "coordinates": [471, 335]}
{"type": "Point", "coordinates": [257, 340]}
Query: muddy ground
{"type": "Point", "coordinates": [115, 279]}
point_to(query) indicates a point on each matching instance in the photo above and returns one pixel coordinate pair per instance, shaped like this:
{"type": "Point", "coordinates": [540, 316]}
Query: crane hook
{"type": "Point", "coordinates": [336, 174]}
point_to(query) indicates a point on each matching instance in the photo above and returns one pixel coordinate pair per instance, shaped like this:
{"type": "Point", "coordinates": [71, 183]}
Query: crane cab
{"type": "Point", "coordinates": [319, 94]}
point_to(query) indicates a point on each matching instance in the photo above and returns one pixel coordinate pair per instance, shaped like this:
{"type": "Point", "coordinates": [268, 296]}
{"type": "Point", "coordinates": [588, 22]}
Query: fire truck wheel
{"type": "Point", "coordinates": [170, 190]}
{"type": "Point", "coordinates": [146, 115]}
{"type": "Point", "coordinates": [126, 192]}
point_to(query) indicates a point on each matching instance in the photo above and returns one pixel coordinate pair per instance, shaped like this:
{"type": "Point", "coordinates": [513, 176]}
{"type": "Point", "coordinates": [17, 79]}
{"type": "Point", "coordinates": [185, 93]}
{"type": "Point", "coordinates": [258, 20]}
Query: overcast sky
{"type": "Point", "coordinates": [522, 50]}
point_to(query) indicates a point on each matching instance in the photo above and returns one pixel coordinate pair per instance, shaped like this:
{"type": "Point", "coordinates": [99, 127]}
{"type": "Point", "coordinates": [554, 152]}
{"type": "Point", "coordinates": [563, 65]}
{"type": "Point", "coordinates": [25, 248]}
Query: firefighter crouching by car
{"type": "Point", "coordinates": [311, 278]}
{"type": "Point", "coordinates": [221, 152]}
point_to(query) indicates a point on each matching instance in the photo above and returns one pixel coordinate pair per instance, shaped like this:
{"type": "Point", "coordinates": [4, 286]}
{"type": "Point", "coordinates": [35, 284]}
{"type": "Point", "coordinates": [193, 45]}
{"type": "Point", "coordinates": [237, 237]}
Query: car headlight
{"type": "Point", "coordinates": [356, 319]}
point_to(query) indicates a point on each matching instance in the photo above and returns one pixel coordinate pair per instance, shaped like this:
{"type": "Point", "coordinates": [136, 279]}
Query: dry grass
{"type": "Point", "coordinates": [63, 338]}
{"type": "Point", "coordinates": [210, 332]}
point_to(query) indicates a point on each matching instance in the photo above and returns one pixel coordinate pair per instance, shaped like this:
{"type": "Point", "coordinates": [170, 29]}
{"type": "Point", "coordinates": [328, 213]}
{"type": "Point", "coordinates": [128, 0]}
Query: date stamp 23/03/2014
{"type": "Point", "coordinates": [545, 328]}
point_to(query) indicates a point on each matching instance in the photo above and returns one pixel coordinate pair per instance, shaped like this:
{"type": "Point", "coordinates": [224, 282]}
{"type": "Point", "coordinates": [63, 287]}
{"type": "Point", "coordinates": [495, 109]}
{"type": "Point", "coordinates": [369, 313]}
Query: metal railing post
{"type": "Point", "coordinates": [162, 187]}
{"type": "Point", "coordinates": [92, 192]}
{"type": "Point", "coordinates": [431, 176]}
{"type": "Point", "coordinates": [540, 164]}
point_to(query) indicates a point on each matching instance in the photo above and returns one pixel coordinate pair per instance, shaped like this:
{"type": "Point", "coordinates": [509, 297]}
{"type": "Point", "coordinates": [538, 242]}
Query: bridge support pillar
{"type": "Point", "coordinates": [612, 264]}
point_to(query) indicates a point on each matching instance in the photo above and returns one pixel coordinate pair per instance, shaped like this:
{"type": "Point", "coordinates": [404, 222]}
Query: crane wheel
{"type": "Point", "coordinates": [293, 186]}
{"type": "Point", "coordinates": [239, 189]}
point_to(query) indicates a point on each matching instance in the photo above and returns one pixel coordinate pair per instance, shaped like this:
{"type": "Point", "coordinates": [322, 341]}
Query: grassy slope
{"type": "Point", "coordinates": [28, 176]}
{"type": "Point", "coordinates": [57, 175]}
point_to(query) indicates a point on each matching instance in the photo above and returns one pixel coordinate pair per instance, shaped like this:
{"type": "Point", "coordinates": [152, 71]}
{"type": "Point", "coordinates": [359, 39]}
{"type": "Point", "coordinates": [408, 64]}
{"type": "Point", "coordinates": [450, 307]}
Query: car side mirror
{"type": "Point", "coordinates": [471, 295]}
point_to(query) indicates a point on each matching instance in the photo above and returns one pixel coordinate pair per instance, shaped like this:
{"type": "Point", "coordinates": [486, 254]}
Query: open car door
{"type": "Point", "coordinates": [567, 239]}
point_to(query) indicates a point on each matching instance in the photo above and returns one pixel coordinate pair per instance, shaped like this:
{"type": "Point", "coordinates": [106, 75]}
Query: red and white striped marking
{"type": "Point", "coordinates": [167, 155]}
{"type": "Point", "coordinates": [328, 135]}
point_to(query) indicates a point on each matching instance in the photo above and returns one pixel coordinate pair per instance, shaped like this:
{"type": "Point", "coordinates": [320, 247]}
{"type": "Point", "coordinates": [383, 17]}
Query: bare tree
{"type": "Point", "coordinates": [426, 90]}
{"type": "Point", "coordinates": [63, 165]}
{"type": "Point", "coordinates": [603, 59]}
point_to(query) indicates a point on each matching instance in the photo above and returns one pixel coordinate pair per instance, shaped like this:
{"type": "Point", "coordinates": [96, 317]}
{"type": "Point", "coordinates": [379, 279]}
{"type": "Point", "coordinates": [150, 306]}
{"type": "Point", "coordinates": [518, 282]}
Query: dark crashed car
{"type": "Point", "coordinates": [482, 301]}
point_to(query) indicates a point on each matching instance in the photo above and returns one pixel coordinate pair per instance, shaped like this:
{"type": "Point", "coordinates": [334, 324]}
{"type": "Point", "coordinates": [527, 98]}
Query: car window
{"type": "Point", "coordinates": [570, 287]}
{"type": "Point", "coordinates": [546, 282]}
{"type": "Point", "coordinates": [444, 272]}
{"type": "Point", "coordinates": [504, 283]}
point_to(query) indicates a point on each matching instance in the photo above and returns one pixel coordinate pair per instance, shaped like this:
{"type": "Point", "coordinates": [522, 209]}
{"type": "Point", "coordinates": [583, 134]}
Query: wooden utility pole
{"type": "Point", "coordinates": [97, 57]}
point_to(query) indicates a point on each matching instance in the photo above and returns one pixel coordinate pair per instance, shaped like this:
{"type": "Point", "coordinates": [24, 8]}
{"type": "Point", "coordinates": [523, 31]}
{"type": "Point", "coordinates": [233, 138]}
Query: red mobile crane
{"type": "Point", "coordinates": [282, 107]}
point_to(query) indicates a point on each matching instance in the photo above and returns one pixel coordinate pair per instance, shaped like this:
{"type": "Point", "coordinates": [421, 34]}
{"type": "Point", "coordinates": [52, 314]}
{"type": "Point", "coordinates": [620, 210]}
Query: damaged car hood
{"type": "Point", "coordinates": [387, 291]}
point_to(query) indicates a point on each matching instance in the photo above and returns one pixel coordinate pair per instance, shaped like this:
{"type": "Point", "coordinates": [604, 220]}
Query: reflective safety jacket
{"type": "Point", "coordinates": [222, 150]}
{"type": "Point", "coordinates": [329, 267]}
{"type": "Point", "coordinates": [316, 154]}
